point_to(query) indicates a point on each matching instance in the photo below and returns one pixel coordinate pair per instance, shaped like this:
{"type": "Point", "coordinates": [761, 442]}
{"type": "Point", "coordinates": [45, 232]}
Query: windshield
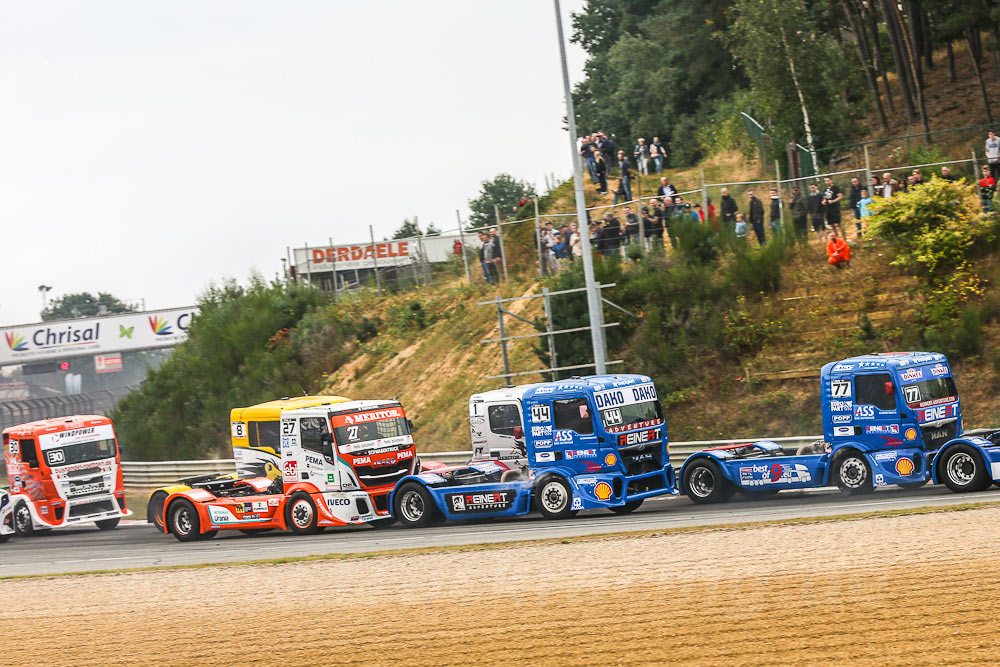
{"type": "Point", "coordinates": [626, 415]}
{"type": "Point", "coordinates": [80, 452]}
{"type": "Point", "coordinates": [349, 436]}
{"type": "Point", "coordinates": [930, 392]}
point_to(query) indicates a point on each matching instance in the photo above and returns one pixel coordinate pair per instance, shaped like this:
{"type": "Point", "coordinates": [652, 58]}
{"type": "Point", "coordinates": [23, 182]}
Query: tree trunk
{"type": "Point", "coordinates": [868, 17]}
{"type": "Point", "coordinates": [862, 43]}
{"type": "Point", "coordinates": [916, 36]}
{"type": "Point", "coordinates": [995, 39]}
{"type": "Point", "coordinates": [951, 62]}
{"type": "Point", "coordinates": [970, 38]}
{"type": "Point", "coordinates": [925, 16]}
{"type": "Point", "coordinates": [905, 86]}
{"type": "Point", "coordinates": [918, 80]}
{"type": "Point", "coordinates": [802, 100]}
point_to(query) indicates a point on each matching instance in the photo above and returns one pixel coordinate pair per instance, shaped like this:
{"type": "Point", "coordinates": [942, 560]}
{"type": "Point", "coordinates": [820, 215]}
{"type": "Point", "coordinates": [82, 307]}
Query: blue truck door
{"type": "Point", "coordinates": [573, 433]}
{"type": "Point", "coordinates": [876, 419]}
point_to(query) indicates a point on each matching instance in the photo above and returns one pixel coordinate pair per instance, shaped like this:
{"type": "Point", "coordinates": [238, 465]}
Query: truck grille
{"type": "Point", "coordinates": [642, 459]}
{"type": "Point", "coordinates": [373, 476]}
{"type": "Point", "coordinates": [87, 509]}
{"type": "Point", "coordinates": [935, 436]}
{"type": "Point", "coordinates": [86, 487]}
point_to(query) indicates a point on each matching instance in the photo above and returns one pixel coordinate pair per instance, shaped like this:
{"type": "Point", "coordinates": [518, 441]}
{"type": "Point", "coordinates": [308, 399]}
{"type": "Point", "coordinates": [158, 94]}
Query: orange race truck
{"type": "Point", "coordinates": [64, 471]}
{"type": "Point", "coordinates": [339, 463]}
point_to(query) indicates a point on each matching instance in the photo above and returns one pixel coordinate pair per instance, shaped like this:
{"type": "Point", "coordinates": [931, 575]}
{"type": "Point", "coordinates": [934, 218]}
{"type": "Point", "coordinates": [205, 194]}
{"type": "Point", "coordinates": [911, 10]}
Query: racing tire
{"type": "Point", "coordinates": [554, 497]}
{"type": "Point", "coordinates": [108, 524]}
{"type": "Point", "coordinates": [963, 470]}
{"type": "Point", "coordinates": [183, 521]}
{"type": "Point", "coordinates": [853, 474]}
{"type": "Point", "coordinates": [704, 483]}
{"type": "Point", "coordinates": [628, 507]}
{"type": "Point", "coordinates": [414, 506]}
{"type": "Point", "coordinates": [21, 518]}
{"type": "Point", "coordinates": [301, 516]}
{"type": "Point", "coordinates": [154, 509]}
{"type": "Point", "coordinates": [382, 524]}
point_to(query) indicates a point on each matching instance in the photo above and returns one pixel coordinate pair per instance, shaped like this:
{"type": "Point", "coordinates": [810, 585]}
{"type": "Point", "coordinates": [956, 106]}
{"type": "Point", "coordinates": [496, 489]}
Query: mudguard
{"type": "Point", "coordinates": [986, 448]}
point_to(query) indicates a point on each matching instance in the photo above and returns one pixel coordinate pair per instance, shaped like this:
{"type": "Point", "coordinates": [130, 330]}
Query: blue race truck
{"type": "Point", "coordinates": [558, 447]}
{"type": "Point", "coordinates": [888, 419]}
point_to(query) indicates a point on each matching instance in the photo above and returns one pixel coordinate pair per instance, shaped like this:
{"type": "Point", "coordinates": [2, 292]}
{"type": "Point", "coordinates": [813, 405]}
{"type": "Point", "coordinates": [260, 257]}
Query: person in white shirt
{"type": "Point", "coordinates": [993, 154]}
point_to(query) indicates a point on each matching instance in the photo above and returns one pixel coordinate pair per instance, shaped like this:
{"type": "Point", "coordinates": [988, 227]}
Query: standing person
{"type": "Point", "coordinates": [756, 217]}
{"type": "Point", "coordinates": [987, 188]}
{"type": "Point", "coordinates": [838, 252]}
{"type": "Point", "coordinates": [497, 253]}
{"type": "Point", "coordinates": [740, 227]}
{"type": "Point", "coordinates": [607, 148]}
{"type": "Point", "coordinates": [641, 156]}
{"type": "Point", "coordinates": [656, 153]}
{"type": "Point", "coordinates": [729, 208]}
{"type": "Point", "coordinates": [816, 211]}
{"type": "Point", "coordinates": [663, 154]}
{"type": "Point", "coordinates": [875, 187]}
{"type": "Point", "coordinates": [887, 185]}
{"type": "Point", "coordinates": [631, 225]}
{"type": "Point", "coordinates": [918, 178]}
{"type": "Point", "coordinates": [865, 212]}
{"type": "Point", "coordinates": [619, 192]}
{"type": "Point", "coordinates": [588, 157]}
{"type": "Point", "coordinates": [775, 210]}
{"type": "Point", "coordinates": [854, 196]}
{"type": "Point", "coordinates": [484, 262]}
{"type": "Point", "coordinates": [832, 196]}
{"type": "Point", "coordinates": [626, 174]}
{"type": "Point", "coordinates": [609, 235]}
{"type": "Point", "coordinates": [993, 154]}
{"type": "Point", "coordinates": [655, 226]}
{"type": "Point", "coordinates": [665, 189]}
{"type": "Point", "coordinates": [800, 213]}
{"type": "Point", "coordinates": [602, 172]}
{"type": "Point", "coordinates": [946, 175]}
{"type": "Point", "coordinates": [575, 242]}
{"type": "Point", "coordinates": [711, 214]}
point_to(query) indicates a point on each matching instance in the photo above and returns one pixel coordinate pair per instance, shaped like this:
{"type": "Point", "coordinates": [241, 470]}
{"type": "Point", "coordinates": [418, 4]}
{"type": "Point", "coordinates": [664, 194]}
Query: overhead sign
{"type": "Point", "coordinates": [326, 258]}
{"type": "Point", "coordinates": [94, 335]}
{"type": "Point", "coordinates": [108, 363]}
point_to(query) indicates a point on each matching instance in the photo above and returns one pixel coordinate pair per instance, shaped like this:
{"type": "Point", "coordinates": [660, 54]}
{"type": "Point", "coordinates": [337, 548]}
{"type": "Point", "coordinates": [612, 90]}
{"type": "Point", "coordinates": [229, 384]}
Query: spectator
{"type": "Point", "coordinates": [900, 185]}
{"type": "Point", "coordinates": [631, 225]}
{"type": "Point", "coordinates": [838, 252]}
{"type": "Point", "coordinates": [641, 156]}
{"type": "Point", "coordinates": [610, 235]}
{"type": "Point", "coordinates": [575, 242]}
{"type": "Point", "coordinates": [775, 210]}
{"type": "Point", "coordinates": [698, 211]}
{"type": "Point", "coordinates": [729, 208]}
{"type": "Point", "coordinates": [496, 253]}
{"type": "Point", "coordinates": [657, 153]}
{"type": "Point", "coordinates": [665, 189]}
{"type": "Point", "coordinates": [875, 187]}
{"type": "Point", "coordinates": [560, 250]}
{"type": "Point", "coordinates": [711, 213]}
{"type": "Point", "coordinates": [586, 151]}
{"type": "Point", "coordinates": [607, 148]}
{"type": "Point", "coordinates": [854, 196]}
{"type": "Point", "coordinates": [816, 211]}
{"type": "Point", "coordinates": [486, 258]}
{"type": "Point", "coordinates": [620, 192]}
{"type": "Point", "coordinates": [832, 196]}
{"type": "Point", "coordinates": [800, 212]}
{"type": "Point", "coordinates": [756, 217]}
{"type": "Point", "coordinates": [993, 154]}
{"type": "Point", "coordinates": [457, 247]}
{"type": "Point", "coordinates": [946, 175]}
{"type": "Point", "coordinates": [918, 178]}
{"type": "Point", "coordinates": [548, 234]}
{"type": "Point", "coordinates": [656, 225]}
{"type": "Point", "coordinates": [740, 226]}
{"type": "Point", "coordinates": [987, 188]}
{"type": "Point", "coordinates": [864, 211]}
{"type": "Point", "coordinates": [887, 185]}
{"type": "Point", "coordinates": [626, 174]}
{"type": "Point", "coordinates": [602, 172]}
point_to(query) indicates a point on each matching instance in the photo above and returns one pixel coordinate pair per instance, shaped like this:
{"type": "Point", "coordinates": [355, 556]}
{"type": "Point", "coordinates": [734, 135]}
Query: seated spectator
{"type": "Point", "coordinates": [838, 252]}
{"type": "Point", "coordinates": [742, 230]}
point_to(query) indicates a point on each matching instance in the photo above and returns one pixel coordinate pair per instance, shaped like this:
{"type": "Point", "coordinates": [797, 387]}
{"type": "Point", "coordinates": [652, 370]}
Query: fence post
{"type": "Point", "coordinates": [465, 257]}
{"type": "Point", "coordinates": [503, 343]}
{"type": "Point", "coordinates": [548, 327]}
{"type": "Point", "coordinates": [309, 272]}
{"type": "Point", "coordinates": [975, 173]}
{"type": "Point", "coordinates": [781, 200]}
{"type": "Point", "coordinates": [293, 270]}
{"type": "Point", "coordinates": [378, 283]}
{"type": "Point", "coordinates": [538, 238]}
{"type": "Point", "coordinates": [503, 252]}
{"type": "Point", "coordinates": [868, 171]}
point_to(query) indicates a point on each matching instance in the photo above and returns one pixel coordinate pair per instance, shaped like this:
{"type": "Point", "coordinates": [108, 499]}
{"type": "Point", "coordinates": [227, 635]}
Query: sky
{"type": "Point", "coordinates": [149, 149]}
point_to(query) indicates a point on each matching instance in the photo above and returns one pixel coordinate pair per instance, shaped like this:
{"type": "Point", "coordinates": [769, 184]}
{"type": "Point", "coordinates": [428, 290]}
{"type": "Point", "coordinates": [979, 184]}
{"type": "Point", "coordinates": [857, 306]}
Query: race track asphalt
{"type": "Point", "coordinates": [136, 544]}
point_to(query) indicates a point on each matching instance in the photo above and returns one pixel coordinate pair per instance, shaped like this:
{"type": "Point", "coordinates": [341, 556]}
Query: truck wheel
{"type": "Point", "coordinates": [300, 514]}
{"type": "Point", "coordinates": [108, 524]}
{"type": "Point", "coordinates": [154, 509]}
{"type": "Point", "coordinates": [704, 483]}
{"type": "Point", "coordinates": [963, 470]}
{"type": "Point", "coordinates": [854, 476]}
{"type": "Point", "coordinates": [554, 498]}
{"type": "Point", "coordinates": [183, 521]}
{"type": "Point", "coordinates": [628, 507]}
{"type": "Point", "coordinates": [22, 520]}
{"type": "Point", "coordinates": [414, 506]}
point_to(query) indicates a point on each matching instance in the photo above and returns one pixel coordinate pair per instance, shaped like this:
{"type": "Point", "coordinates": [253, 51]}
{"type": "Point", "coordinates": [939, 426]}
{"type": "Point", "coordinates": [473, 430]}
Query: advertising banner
{"type": "Point", "coordinates": [28, 343]}
{"type": "Point", "coordinates": [385, 254]}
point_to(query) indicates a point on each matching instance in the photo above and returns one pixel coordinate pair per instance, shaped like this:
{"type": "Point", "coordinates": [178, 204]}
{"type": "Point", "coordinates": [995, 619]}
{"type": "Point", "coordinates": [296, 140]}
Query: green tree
{"type": "Point", "coordinates": [407, 230]}
{"type": "Point", "coordinates": [432, 230]}
{"type": "Point", "coordinates": [505, 192]}
{"type": "Point", "coordinates": [85, 304]}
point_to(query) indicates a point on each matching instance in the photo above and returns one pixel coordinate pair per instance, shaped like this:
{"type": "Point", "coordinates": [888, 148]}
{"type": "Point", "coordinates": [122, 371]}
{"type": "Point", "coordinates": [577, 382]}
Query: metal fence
{"type": "Point", "coordinates": [19, 411]}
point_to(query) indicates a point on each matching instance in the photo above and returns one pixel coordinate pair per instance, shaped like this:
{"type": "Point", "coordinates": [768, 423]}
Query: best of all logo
{"type": "Point", "coordinates": [16, 342]}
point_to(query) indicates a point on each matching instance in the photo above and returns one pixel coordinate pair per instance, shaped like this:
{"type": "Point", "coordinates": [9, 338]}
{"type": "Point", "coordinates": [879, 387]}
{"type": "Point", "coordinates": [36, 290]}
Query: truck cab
{"type": "Point", "coordinates": [339, 462]}
{"type": "Point", "coordinates": [64, 471]}
{"type": "Point", "coordinates": [256, 440]}
{"type": "Point", "coordinates": [592, 442]}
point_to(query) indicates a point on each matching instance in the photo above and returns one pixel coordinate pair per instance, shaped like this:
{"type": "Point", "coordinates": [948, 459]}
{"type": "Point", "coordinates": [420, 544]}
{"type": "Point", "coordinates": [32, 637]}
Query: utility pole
{"type": "Point", "coordinates": [593, 299]}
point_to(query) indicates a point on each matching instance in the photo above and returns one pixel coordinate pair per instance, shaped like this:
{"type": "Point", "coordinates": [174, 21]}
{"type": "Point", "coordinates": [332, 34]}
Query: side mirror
{"type": "Point", "coordinates": [409, 425]}
{"type": "Point", "coordinates": [888, 388]}
{"type": "Point", "coordinates": [327, 440]}
{"type": "Point", "coordinates": [518, 432]}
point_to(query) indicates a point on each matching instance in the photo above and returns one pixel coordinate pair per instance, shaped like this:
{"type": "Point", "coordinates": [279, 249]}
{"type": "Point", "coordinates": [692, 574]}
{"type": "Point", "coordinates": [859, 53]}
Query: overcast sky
{"type": "Point", "coordinates": [150, 148]}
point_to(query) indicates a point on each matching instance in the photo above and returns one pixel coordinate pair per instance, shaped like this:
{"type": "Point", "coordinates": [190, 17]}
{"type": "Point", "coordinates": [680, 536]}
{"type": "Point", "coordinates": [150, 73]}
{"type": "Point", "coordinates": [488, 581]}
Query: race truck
{"type": "Point", "coordinates": [558, 447]}
{"type": "Point", "coordinates": [64, 471]}
{"type": "Point", "coordinates": [339, 463]}
{"type": "Point", "coordinates": [256, 447]}
{"type": "Point", "coordinates": [888, 419]}
{"type": "Point", "coordinates": [6, 516]}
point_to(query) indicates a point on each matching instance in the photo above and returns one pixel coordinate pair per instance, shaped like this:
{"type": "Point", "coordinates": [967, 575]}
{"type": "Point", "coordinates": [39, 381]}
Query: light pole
{"type": "Point", "coordinates": [593, 298]}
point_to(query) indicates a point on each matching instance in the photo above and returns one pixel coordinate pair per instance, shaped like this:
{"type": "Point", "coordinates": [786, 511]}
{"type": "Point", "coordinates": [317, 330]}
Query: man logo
{"type": "Point", "coordinates": [458, 503]}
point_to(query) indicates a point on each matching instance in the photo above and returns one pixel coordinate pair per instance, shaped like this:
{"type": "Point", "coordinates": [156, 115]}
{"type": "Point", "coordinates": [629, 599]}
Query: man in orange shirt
{"type": "Point", "coordinates": [838, 253]}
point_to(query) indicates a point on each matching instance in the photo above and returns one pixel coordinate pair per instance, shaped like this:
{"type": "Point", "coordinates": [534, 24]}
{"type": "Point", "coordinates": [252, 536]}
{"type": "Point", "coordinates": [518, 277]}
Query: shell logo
{"type": "Point", "coordinates": [603, 490]}
{"type": "Point", "coordinates": [911, 433]}
{"type": "Point", "coordinates": [905, 467]}
{"type": "Point", "coordinates": [610, 460]}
